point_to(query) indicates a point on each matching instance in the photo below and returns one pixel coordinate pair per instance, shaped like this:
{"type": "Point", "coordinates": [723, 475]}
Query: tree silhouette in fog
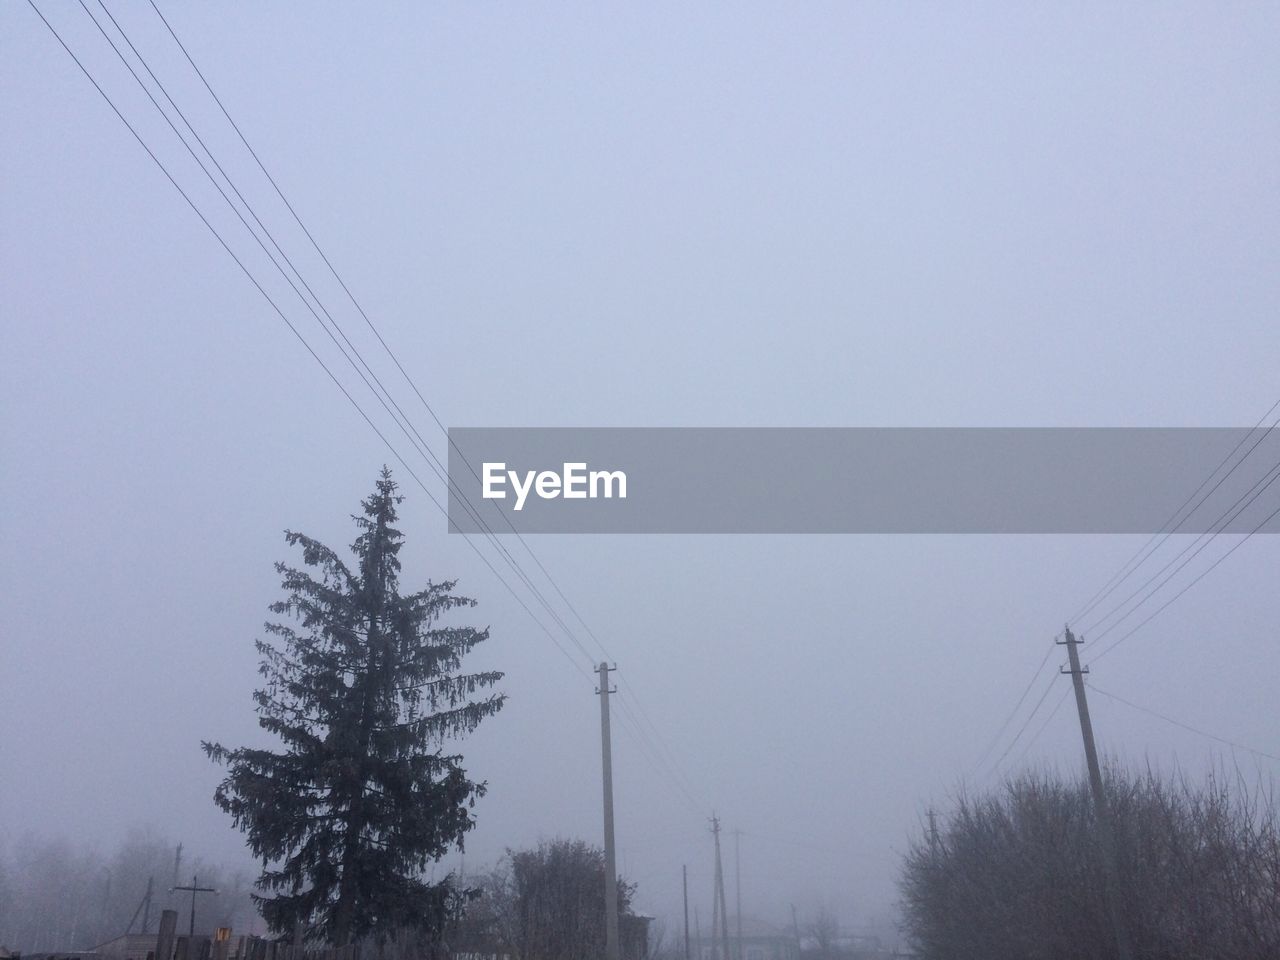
{"type": "Point", "coordinates": [363, 689]}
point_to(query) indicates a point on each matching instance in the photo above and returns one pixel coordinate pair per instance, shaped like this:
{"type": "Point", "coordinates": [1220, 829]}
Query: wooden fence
{"type": "Point", "coordinates": [224, 946]}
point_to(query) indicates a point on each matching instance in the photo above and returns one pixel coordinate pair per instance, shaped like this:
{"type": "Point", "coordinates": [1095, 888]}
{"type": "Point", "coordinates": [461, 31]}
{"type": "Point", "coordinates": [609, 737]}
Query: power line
{"type": "Point", "coordinates": [1012, 713]}
{"type": "Point", "coordinates": [398, 415]}
{"type": "Point", "coordinates": [1238, 544]}
{"type": "Point", "coordinates": [1142, 554]}
{"type": "Point", "coordinates": [1026, 723]}
{"type": "Point", "coordinates": [369, 322]}
{"type": "Point", "coordinates": [1041, 729]}
{"type": "Point", "coordinates": [1221, 523]}
{"type": "Point", "coordinates": [1184, 726]}
{"type": "Point", "coordinates": [661, 748]}
{"type": "Point", "coordinates": [664, 764]}
{"type": "Point", "coordinates": [1223, 519]}
{"type": "Point", "coordinates": [420, 445]}
{"type": "Point", "coordinates": [1274, 473]}
{"type": "Point", "coordinates": [284, 317]}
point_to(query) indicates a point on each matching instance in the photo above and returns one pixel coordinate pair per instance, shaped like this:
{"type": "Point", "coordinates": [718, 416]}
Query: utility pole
{"type": "Point", "coordinates": [933, 834]}
{"type": "Point", "coordinates": [684, 876]}
{"type": "Point", "coordinates": [1101, 810]}
{"type": "Point", "coordinates": [177, 867]}
{"type": "Point", "coordinates": [195, 888]}
{"type": "Point", "coordinates": [106, 902]}
{"type": "Point", "coordinates": [737, 884]}
{"type": "Point", "coordinates": [612, 949]}
{"type": "Point", "coordinates": [719, 893]}
{"type": "Point", "coordinates": [716, 949]}
{"type": "Point", "coordinates": [146, 908]}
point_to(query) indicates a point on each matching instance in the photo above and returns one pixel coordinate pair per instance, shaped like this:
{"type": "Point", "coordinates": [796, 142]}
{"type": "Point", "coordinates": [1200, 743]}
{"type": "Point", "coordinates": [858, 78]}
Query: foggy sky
{"type": "Point", "coordinates": [733, 215]}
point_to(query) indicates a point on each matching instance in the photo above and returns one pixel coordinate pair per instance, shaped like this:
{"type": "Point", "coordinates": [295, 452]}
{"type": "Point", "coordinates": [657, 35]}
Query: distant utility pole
{"type": "Point", "coordinates": [719, 894]}
{"type": "Point", "coordinates": [684, 877]}
{"type": "Point", "coordinates": [737, 884]}
{"type": "Point", "coordinates": [933, 834]}
{"type": "Point", "coordinates": [177, 870]}
{"type": "Point", "coordinates": [716, 949]}
{"type": "Point", "coordinates": [106, 902]}
{"type": "Point", "coordinates": [611, 946]}
{"type": "Point", "coordinates": [1101, 810]}
{"type": "Point", "coordinates": [146, 905]}
{"type": "Point", "coordinates": [195, 888]}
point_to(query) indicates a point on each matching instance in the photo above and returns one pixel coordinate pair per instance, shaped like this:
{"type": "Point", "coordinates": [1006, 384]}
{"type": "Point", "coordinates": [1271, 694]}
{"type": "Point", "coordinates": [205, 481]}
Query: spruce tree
{"type": "Point", "coordinates": [363, 689]}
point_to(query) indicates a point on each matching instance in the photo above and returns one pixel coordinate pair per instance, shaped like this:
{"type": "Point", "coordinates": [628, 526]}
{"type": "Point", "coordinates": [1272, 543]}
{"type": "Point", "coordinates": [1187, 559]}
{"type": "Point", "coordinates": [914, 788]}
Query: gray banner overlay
{"type": "Point", "coordinates": [863, 480]}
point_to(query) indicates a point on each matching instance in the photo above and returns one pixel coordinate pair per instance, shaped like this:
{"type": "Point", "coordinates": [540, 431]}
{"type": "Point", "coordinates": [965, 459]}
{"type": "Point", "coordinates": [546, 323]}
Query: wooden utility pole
{"type": "Point", "coordinates": [612, 948]}
{"type": "Point", "coordinates": [195, 888]}
{"type": "Point", "coordinates": [1101, 809]}
{"type": "Point", "coordinates": [719, 894]}
{"type": "Point", "coordinates": [146, 905]}
{"type": "Point", "coordinates": [684, 876]}
{"type": "Point", "coordinates": [715, 918]}
{"type": "Point", "coordinates": [106, 902]}
{"type": "Point", "coordinates": [737, 885]}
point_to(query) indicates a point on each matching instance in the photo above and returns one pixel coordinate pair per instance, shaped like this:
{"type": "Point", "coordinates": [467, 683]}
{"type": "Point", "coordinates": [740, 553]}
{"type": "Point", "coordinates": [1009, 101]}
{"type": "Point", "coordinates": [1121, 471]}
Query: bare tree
{"type": "Point", "coordinates": [824, 928]}
{"type": "Point", "coordinates": [1017, 873]}
{"type": "Point", "coordinates": [545, 903]}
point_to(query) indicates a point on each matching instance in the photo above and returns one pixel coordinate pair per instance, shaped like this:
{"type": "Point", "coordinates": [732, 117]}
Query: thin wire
{"type": "Point", "coordinates": [1111, 585]}
{"type": "Point", "coordinates": [1274, 473]}
{"type": "Point", "coordinates": [373, 327]}
{"type": "Point", "coordinates": [289, 323]}
{"type": "Point", "coordinates": [1184, 726]}
{"type": "Point", "coordinates": [1026, 723]}
{"type": "Point", "coordinates": [664, 764]}
{"type": "Point", "coordinates": [1239, 543]}
{"type": "Point", "coordinates": [1222, 522]}
{"type": "Point", "coordinates": [398, 416]}
{"type": "Point", "coordinates": [629, 721]}
{"type": "Point", "coordinates": [1016, 707]}
{"type": "Point", "coordinates": [669, 753]}
{"type": "Point", "coordinates": [424, 449]}
{"type": "Point", "coordinates": [1047, 720]}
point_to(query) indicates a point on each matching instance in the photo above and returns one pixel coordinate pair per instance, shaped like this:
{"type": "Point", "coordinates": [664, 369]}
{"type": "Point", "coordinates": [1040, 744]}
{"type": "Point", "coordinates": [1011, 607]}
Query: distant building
{"type": "Point", "coordinates": [760, 941]}
{"type": "Point", "coordinates": [633, 936]}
